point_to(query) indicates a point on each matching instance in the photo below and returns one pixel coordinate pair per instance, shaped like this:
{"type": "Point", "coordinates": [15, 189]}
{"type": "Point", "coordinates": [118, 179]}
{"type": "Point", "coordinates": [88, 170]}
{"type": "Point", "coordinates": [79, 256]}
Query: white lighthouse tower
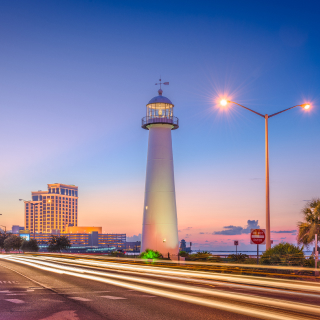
{"type": "Point", "coordinates": [160, 229]}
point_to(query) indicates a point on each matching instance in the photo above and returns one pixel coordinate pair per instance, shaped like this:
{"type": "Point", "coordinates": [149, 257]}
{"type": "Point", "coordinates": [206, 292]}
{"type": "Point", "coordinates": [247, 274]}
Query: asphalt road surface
{"type": "Point", "coordinates": [50, 288]}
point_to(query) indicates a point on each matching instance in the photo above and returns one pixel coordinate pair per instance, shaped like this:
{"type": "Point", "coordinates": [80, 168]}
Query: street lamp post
{"type": "Point", "coordinates": [224, 102]}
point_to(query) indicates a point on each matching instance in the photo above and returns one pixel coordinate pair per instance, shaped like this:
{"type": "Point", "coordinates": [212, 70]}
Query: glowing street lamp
{"type": "Point", "coordinates": [224, 102]}
{"type": "Point", "coordinates": [305, 106]}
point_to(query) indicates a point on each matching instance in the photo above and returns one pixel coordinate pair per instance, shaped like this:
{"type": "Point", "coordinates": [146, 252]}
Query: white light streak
{"type": "Point", "coordinates": [252, 311]}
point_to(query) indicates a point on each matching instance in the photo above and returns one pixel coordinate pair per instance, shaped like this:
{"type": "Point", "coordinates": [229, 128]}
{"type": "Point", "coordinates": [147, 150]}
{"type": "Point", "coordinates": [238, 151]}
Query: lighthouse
{"type": "Point", "coordinates": [160, 226]}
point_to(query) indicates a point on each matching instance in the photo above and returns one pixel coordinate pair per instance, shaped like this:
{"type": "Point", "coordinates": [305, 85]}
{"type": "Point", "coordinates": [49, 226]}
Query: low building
{"type": "Point", "coordinates": [133, 246]}
{"type": "Point", "coordinates": [83, 240]}
{"type": "Point", "coordinates": [83, 229]}
{"type": "Point", "coordinates": [16, 229]}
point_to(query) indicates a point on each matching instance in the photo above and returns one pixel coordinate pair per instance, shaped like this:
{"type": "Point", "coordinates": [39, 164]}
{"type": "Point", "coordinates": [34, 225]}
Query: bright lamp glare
{"type": "Point", "coordinates": [223, 102]}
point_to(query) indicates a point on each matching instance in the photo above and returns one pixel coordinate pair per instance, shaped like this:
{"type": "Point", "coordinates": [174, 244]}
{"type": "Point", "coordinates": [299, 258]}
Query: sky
{"type": "Point", "coordinates": [75, 78]}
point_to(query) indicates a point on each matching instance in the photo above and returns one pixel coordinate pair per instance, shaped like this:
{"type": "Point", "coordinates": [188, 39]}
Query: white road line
{"type": "Point", "coordinates": [14, 300]}
{"type": "Point", "coordinates": [84, 292]}
{"type": "Point", "coordinates": [80, 299]}
{"type": "Point", "coordinates": [112, 297]}
{"type": "Point", "coordinates": [51, 300]}
{"type": "Point", "coordinates": [16, 294]}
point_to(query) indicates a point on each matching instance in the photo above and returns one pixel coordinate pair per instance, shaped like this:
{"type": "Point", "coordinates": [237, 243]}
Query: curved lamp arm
{"type": "Point", "coordinates": [298, 105]}
{"type": "Point", "coordinates": [305, 106]}
{"type": "Point", "coordinates": [240, 105]}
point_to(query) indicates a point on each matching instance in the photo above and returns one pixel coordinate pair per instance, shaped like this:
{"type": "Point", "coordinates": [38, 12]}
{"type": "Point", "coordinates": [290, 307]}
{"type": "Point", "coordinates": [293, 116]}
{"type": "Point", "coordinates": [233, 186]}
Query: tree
{"type": "Point", "coordinates": [3, 236]}
{"type": "Point", "coordinates": [12, 242]}
{"type": "Point", "coordinates": [58, 243]}
{"type": "Point", "coordinates": [311, 224]}
{"type": "Point", "coordinates": [283, 254]}
{"type": "Point", "coordinates": [31, 245]}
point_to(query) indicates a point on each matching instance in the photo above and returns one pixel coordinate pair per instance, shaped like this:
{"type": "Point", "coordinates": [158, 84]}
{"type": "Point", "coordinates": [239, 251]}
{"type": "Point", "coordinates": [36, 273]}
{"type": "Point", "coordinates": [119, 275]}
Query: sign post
{"type": "Point", "coordinates": [236, 243]}
{"type": "Point", "coordinates": [258, 236]}
{"type": "Point", "coordinates": [316, 251]}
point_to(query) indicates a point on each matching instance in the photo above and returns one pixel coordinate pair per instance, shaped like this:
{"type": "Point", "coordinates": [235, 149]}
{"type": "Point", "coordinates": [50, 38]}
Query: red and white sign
{"type": "Point", "coordinates": [258, 236]}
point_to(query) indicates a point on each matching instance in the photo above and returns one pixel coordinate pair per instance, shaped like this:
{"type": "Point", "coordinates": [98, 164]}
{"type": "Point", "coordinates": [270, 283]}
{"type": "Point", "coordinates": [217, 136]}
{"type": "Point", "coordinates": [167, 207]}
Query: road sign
{"type": "Point", "coordinates": [258, 236]}
{"type": "Point", "coordinates": [236, 242]}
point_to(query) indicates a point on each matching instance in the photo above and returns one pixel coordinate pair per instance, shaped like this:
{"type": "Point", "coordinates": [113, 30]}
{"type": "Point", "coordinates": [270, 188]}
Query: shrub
{"type": "Point", "coordinates": [214, 258]}
{"type": "Point", "coordinates": [183, 254]}
{"type": "Point", "coordinates": [309, 262]}
{"type": "Point", "coordinates": [203, 256]}
{"type": "Point", "coordinates": [240, 258]}
{"type": "Point", "coordinates": [250, 261]}
{"type": "Point", "coordinates": [118, 254]}
{"type": "Point", "coordinates": [150, 254]}
{"type": "Point", "coordinates": [283, 254]}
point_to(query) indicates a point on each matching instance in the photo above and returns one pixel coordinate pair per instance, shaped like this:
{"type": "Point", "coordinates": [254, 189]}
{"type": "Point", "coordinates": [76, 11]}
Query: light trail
{"type": "Point", "coordinates": [179, 278]}
{"type": "Point", "coordinates": [198, 263]}
{"type": "Point", "coordinates": [227, 306]}
{"type": "Point", "coordinates": [243, 279]}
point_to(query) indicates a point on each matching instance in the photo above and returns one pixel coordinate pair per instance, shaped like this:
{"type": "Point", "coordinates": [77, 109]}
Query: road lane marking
{"type": "Point", "coordinates": [112, 297]}
{"type": "Point", "coordinates": [80, 299]}
{"type": "Point", "coordinates": [51, 300]}
{"type": "Point", "coordinates": [84, 292]}
{"type": "Point", "coordinates": [14, 300]}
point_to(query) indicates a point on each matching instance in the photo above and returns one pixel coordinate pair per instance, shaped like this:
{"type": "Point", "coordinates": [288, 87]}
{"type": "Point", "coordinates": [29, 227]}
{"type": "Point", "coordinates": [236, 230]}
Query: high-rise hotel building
{"type": "Point", "coordinates": [52, 210]}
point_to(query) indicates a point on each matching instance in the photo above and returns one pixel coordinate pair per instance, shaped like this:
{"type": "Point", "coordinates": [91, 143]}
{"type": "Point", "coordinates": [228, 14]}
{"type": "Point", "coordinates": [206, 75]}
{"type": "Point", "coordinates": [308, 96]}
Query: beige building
{"type": "Point", "coordinates": [53, 210]}
{"type": "Point", "coordinates": [83, 229]}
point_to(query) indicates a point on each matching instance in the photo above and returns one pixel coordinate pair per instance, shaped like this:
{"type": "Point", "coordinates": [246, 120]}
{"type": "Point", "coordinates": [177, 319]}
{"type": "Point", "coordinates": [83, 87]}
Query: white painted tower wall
{"type": "Point", "coordinates": [160, 230]}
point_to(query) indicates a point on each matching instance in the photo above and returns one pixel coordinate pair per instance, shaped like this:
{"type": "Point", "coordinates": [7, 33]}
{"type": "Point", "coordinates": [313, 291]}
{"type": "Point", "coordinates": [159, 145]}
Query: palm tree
{"type": "Point", "coordinates": [311, 224]}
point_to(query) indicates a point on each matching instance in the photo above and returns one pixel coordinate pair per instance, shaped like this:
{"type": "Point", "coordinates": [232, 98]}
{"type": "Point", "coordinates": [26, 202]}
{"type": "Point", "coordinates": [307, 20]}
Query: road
{"type": "Point", "coordinates": [54, 288]}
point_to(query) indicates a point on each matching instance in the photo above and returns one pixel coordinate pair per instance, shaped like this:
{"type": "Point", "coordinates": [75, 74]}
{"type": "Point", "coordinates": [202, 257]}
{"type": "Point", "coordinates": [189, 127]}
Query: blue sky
{"type": "Point", "coordinates": [75, 79]}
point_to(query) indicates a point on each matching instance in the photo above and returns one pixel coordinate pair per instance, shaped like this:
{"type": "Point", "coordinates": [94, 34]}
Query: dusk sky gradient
{"type": "Point", "coordinates": [75, 80]}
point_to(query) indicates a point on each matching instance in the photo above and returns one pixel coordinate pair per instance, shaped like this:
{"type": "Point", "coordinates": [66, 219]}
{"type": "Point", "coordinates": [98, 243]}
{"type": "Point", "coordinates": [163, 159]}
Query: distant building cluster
{"type": "Point", "coordinates": [183, 246]}
{"type": "Point", "coordinates": [55, 211]}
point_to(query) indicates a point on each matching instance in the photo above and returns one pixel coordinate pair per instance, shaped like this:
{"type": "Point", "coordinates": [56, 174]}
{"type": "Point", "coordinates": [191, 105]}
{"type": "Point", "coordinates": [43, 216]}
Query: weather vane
{"type": "Point", "coordinates": [165, 83]}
